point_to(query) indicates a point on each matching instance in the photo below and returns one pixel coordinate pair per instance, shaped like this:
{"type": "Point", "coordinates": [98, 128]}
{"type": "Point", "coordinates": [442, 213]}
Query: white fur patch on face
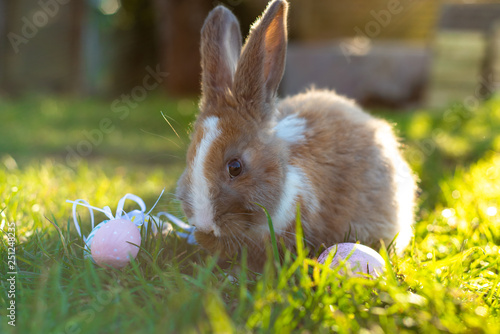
{"type": "Point", "coordinates": [296, 184]}
{"type": "Point", "coordinates": [291, 129]}
{"type": "Point", "coordinates": [200, 191]}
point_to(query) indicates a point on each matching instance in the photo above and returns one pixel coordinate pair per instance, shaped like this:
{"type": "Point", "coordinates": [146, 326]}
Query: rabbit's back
{"type": "Point", "coordinates": [364, 188]}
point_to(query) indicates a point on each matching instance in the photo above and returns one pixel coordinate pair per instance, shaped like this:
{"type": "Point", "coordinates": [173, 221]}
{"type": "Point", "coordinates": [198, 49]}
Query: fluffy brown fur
{"type": "Point", "coordinates": [352, 176]}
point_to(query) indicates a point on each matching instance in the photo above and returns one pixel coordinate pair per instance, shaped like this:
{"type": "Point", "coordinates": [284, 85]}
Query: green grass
{"type": "Point", "coordinates": [448, 281]}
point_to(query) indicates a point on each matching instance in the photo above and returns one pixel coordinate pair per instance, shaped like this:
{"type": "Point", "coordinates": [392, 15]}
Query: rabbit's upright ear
{"type": "Point", "coordinates": [220, 51]}
{"type": "Point", "coordinates": [262, 60]}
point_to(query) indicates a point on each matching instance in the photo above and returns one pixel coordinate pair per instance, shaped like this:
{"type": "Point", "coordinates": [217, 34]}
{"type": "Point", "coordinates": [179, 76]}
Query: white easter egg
{"type": "Point", "coordinates": [114, 243]}
{"type": "Point", "coordinates": [360, 259]}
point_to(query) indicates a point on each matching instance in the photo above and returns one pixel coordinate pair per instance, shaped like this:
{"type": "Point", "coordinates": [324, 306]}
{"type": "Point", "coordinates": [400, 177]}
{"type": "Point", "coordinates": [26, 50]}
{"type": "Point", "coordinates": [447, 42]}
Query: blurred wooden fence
{"type": "Point", "coordinates": [404, 20]}
{"type": "Point", "coordinates": [58, 61]}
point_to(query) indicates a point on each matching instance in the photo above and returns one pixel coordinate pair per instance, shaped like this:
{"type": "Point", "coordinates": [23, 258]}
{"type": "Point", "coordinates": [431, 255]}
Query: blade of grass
{"type": "Point", "coordinates": [273, 236]}
{"type": "Point", "coordinates": [299, 234]}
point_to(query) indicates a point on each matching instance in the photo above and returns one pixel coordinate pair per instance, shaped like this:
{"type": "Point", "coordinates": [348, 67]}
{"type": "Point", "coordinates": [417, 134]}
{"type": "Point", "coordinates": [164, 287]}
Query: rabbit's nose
{"type": "Point", "coordinates": [206, 225]}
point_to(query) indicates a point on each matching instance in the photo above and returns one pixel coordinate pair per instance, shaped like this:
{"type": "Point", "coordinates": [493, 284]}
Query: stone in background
{"type": "Point", "coordinates": [386, 74]}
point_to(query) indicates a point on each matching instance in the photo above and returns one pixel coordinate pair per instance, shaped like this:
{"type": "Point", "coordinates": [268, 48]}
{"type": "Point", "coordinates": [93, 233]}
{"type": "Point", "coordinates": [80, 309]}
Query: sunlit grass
{"type": "Point", "coordinates": [448, 281]}
{"type": "Point", "coordinates": [438, 141]}
{"type": "Point", "coordinates": [40, 127]}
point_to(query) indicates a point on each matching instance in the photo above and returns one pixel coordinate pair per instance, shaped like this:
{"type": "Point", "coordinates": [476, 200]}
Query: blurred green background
{"type": "Point", "coordinates": [90, 79]}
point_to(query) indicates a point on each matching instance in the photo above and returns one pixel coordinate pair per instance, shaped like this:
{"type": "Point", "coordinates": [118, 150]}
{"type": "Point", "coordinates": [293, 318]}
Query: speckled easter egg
{"type": "Point", "coordinates": [362, 259]}
{"type": "Point", "coordinates": [111, 243]}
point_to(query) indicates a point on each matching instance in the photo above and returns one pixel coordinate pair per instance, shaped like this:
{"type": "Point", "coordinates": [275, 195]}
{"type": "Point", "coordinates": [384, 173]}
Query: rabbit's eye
{"type": "Point", "coordinates": [234, 167]}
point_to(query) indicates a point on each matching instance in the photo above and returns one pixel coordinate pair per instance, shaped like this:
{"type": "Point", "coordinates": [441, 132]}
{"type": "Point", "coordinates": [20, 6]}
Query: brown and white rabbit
{"type": "Point", "coordinates": [317, 148]}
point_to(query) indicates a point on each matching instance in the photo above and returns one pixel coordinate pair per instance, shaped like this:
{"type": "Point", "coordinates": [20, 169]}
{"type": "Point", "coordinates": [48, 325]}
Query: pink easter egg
{"type": "Point", "coordinates": [362, 259]}
{"type": "Point", "coordinates": [111, 247]}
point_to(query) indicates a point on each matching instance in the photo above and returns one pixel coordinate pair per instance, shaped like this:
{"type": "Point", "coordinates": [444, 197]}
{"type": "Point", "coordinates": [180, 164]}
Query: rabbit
{"type": "Point", "coordinates": [318, 150]}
